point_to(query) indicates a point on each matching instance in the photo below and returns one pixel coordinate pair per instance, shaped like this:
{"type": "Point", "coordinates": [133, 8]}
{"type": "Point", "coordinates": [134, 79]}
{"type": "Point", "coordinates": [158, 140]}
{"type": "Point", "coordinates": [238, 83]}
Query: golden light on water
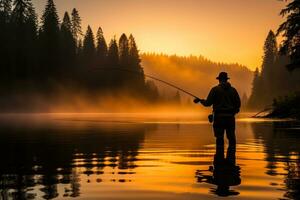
{"type": "Point", "coordinates": [128, 156]}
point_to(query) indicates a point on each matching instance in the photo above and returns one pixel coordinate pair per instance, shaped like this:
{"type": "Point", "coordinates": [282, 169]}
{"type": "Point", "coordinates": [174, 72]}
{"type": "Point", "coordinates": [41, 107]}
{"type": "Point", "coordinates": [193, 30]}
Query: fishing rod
{"type": "Point", "coordinates": [151, 77]}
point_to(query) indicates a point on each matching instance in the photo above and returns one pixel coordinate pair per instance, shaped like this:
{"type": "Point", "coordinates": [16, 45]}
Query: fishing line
{"type": "Point", "coordinates": [149, 76]}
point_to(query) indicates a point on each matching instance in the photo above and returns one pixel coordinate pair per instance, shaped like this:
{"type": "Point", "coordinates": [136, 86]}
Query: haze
{"type": "Point", "coordinates": [222, 30]}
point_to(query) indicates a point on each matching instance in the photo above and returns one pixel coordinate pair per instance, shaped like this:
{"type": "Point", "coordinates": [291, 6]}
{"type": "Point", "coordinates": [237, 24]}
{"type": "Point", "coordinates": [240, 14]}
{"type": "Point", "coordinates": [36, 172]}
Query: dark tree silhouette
{"type": "Point", "coordinates": [24, 30]}
{"type": "Point", "coordinates": [135, 61]}
{"type": "Point", "coordinates": [113, 54]}
{"type": "Point", "coordinates": [274, 80]}
{"type": "Point", "coordinates": [101, 49]}
{"type": "Point", "coordinates": [256, 90]}
{"type": "Point", "coordinates": [5, 41]}
{"type": "Point", "coordinates": [50, 41]}
{"type": "Point", "coordinates": [269, 60]}
{"type": "Point", "coordinates": [290, 30]}
{"type": "Point", "coordinates": [5, 7]}
{"type": "Point", "coordinates": [89, 49]}
{"type": "Point", "coordinates": [113, 62]}
{"type": "Point", "coordinates": [124, 51]}
{"type": "Point", "coordinates": [68, 44]}
{"type": "Point", "coordinates": [49, 57]}
{"type": "Point", "coordinates": [76, 25]}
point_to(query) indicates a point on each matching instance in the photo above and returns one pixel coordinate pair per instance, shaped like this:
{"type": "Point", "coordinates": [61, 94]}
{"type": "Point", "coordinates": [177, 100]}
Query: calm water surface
{"type": "Point", "coordinates": [130, 156]}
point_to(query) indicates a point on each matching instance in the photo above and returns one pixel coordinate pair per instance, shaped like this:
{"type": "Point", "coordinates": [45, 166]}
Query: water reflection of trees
{"type": "Point", "coordinates": [45, 157]}
{"type": "Point", "coordinates": [281, 142]}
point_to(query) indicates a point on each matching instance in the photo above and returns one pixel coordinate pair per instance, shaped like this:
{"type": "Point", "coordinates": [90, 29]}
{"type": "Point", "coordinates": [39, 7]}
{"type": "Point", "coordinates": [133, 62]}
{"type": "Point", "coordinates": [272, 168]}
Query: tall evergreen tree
{"type": "Point", "coordinates": [5, 39]}
{"type": "Point", "coordinates": [68, 44]}
{"type": "Point", "coordinates": [76, 25]}
{"type": "Point", "coordinates": [113, 54]}
{"type": "Point", "coordinates": [24, 23]}
{"type": "Point", "coordinates": [50, 41]}
{"type": "Point", "coordinates": [89, 49]}
{"type": "Point", "coordinates": [256, 90]}
{"type": "Point", "coordinates": [269, 64]}
{"type": "Point", "coordinates": [135, 62]}
{"type": "Point", "coordinates": [101, 48]}
{"type": "Point", "coordinates": [114, 76]}
{"type": "Point", "coordinates": [134, 57]}
{"type": "Point", "coordinates": [124, 51]}
{"type": "Point", "coordinates": [290, 30]}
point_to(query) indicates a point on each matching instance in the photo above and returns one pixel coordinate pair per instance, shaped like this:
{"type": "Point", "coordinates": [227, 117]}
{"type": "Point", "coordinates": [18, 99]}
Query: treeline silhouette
{"type": "Point", "coordinates": [273, 80]}
{"type": "Point", "coordinates": [290, 30]}
{"type": "Point", "coordinates": [44, 56]}
{"type": "Point", "coordinates": [197, 74]}
{"type": "Point", "coordinates": [277, 84]}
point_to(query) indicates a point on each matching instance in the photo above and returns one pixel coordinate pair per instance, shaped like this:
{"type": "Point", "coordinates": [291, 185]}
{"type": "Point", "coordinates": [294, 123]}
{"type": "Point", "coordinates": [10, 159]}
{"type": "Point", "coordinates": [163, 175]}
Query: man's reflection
{"type": "Point", "coordinates": [225, 172]}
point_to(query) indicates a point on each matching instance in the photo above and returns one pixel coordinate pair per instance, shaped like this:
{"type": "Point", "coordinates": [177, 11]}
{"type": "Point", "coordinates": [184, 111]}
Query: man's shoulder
{"type": "Point", "coordinates": [233, 88]}
{"type": "Point", "coordinates": [215, 88]}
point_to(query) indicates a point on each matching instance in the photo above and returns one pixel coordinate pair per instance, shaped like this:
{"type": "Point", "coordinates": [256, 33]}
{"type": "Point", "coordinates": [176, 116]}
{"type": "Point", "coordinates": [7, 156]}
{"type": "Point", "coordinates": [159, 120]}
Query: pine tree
{"type": "Point", "coordinates": [76, 25]}
{"type": "Point", "coordinates": [290, 30]}
{"type": "Point", "coordinates": [24, 23]}
{"type": "Point", "coordinates": [269, 67]}
{"type": "Point", "coordinates": [21, 11]}
{"type": "Point", "coordinates": [114, 77]}
{"type": "Point", "coordinates": [113, 54]}
{"type": "Point", "coordinates": [256, 90]}
{"type": "Point", "coordinates": [101, 48]}
{"type": "Point", "coordinates": [50, 41]}
{"type": "Point", "coordinates": [50, 19]}
{"type": "Point", "coordinates": [5, 9]}
{"type": "Point", "coordinates": [5, 40]}
{"type": "Point", "coordinates": [134, 57]}
{"type": "Point", "coordinates": [124, 51]}
{"type": "Point", "coordinates": [68, 44]}
{"type": "Point", "coordinates": [135, 63]}
{"type": "Point", "coordinates": [89, 49]}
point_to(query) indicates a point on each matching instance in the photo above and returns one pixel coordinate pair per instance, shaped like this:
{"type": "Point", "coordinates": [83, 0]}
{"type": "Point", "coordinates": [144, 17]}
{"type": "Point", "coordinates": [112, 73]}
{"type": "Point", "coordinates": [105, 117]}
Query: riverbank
{"type": "Point", "coordinates": [286, 107]}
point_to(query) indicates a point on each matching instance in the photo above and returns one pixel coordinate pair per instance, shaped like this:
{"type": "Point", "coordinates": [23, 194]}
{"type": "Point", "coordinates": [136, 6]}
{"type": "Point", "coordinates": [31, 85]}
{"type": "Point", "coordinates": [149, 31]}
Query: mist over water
{"type": "Point", "coordinates": [140, 156]}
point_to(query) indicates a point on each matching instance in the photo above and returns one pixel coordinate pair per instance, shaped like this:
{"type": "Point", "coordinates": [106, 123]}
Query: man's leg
{"type": "Point", "coordinates": [219, 134]}
{"type": "Point", "coordinates": [230, 132]}
{"type": "Point", "coordinates": [219, 156]}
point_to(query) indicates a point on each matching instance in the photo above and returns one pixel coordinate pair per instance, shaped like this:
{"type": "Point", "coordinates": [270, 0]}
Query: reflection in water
{"type": "Point", "coordinates": [282, 147]}
{"type": "Point", "coordinates": [224, 171]}
{"type": "Point", "coordinates": [99, 157]}
{"type": "Point", "coordinates": [49, 156]}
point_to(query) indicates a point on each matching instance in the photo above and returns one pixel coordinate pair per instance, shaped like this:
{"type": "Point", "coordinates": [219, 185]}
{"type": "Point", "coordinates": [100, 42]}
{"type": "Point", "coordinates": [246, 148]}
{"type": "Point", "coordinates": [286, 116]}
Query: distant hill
{"type": "Point", "coordinates": [195, 73]}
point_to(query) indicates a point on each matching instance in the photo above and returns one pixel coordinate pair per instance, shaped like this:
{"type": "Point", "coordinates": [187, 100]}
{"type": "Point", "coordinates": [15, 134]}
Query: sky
{"type": "Point", "coordinates": [230, 31]}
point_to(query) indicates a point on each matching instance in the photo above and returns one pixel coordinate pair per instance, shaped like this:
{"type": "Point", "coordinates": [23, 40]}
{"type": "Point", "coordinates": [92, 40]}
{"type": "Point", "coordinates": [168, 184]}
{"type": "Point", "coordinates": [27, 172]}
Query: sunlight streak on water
{"type": "Point", "coordinates": [132, 156]}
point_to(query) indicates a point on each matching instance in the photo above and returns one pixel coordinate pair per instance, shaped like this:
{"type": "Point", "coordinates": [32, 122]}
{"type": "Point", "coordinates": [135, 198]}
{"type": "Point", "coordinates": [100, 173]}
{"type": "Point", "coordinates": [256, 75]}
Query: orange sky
{"type": "Point", "coordinates": [222, 30]}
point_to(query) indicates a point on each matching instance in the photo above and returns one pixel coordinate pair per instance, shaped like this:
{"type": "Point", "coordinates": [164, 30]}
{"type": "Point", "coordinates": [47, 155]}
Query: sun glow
{"type": "Point", "coordinates": [224, 31]}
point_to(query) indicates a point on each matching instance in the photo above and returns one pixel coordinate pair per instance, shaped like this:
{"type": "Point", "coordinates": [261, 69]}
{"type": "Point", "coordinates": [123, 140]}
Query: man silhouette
{"type": "Point", "coordinates": [226, 104]}
{"type": "Point", "coordinates": [224, 173]}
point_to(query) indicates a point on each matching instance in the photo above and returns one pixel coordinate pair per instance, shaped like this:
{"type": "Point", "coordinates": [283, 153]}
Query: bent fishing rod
{"type": "Point", "coordinates": [149, 76]}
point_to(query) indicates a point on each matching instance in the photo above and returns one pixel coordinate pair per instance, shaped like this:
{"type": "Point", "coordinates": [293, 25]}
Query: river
{"type": "Point", "coordinates": [143, 156]}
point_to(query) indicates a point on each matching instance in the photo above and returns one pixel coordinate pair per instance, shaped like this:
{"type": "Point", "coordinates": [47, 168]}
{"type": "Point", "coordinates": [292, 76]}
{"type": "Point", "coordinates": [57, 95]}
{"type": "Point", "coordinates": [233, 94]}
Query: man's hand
{"type": "Point", "coordinates": [197, 100]}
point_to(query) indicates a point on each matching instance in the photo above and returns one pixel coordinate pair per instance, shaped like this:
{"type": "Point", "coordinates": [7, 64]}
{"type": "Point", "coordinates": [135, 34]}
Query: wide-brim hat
{"type": "Point", "coordinates": [223, 76]}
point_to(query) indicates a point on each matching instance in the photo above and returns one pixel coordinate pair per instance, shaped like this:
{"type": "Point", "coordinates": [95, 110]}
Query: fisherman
{"type": "Point", "coordinates": [226, 104]}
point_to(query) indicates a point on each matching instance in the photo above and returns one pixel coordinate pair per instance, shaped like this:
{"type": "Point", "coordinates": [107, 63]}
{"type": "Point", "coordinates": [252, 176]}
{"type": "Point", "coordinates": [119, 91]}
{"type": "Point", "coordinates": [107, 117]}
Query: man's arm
{"type": "Point", "coordinates": [209, 100]}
